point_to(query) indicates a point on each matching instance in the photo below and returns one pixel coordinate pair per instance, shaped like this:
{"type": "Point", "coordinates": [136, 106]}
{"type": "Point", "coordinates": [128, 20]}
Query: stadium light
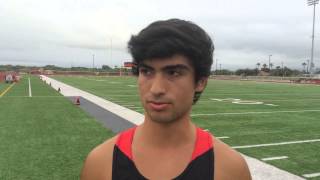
{"type": "Point", "coordinates": [312, 3]}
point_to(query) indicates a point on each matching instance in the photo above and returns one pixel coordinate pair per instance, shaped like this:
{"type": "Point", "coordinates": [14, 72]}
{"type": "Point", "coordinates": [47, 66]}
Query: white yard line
{"type": "Point", "coordinates": [223, 137]}
{"type": "Point", "coordinates": [30, 93]}
{"type": "Point", "coordinates": [258, 112]}
{"type": "Point", "coordinates": [274, 158]}
{"type": "Point", "coordinates": [276, 144]}
{"type": "Point", "coordinates": [311, 175]}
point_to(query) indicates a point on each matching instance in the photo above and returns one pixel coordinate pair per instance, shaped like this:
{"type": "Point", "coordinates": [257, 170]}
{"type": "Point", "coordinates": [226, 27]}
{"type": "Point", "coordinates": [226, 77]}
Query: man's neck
{"type": "Point", "coordinates": [166, 135]}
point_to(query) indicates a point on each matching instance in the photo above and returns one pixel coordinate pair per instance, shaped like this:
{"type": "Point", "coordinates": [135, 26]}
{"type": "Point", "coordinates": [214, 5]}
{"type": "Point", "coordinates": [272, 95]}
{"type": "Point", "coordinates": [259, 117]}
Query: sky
{"type": "Point", "coordinates": [91, 33]}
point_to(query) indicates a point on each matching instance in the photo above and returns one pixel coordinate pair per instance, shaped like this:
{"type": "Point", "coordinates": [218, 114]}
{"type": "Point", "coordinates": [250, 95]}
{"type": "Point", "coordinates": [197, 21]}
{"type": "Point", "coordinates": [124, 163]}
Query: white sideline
{"type": "Point", "coordinates": [121, 111]}
{"type": "Point", "coordinates": [274, 158]}
{"type": "Point", "coordinates": [259, 170]}
{"type": "Point", "coordinates": [30, 93]}
{"type": "Point", "coordinates": [276, 144]}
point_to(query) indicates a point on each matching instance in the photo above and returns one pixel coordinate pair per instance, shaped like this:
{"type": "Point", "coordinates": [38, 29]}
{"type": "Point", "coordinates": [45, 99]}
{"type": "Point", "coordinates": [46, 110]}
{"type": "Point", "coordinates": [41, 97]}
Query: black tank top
{"type": "Point", "coordinates": [201, 166]}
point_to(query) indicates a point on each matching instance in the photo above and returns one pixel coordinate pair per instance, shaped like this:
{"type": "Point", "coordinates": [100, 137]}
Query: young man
{"type": "Point", "coordinates": [173, 59]}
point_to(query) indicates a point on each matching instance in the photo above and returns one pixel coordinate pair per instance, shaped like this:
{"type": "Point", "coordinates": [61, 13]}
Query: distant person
{"type": "Point", "coordinates": [173, 60]}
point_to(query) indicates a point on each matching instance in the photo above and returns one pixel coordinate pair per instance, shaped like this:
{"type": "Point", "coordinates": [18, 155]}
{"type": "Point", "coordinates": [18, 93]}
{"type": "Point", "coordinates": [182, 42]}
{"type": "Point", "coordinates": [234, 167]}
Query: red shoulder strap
{"type": "Point", "coordinates": [124, 142]}
{"type": "Point", "coordinates": [204, 142]}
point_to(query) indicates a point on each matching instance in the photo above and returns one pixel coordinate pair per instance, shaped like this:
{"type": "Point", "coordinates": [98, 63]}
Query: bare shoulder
{"type": "Point", "coordinates": [98, 164]}
{"type": "Point", "coordinates": [229, 164]}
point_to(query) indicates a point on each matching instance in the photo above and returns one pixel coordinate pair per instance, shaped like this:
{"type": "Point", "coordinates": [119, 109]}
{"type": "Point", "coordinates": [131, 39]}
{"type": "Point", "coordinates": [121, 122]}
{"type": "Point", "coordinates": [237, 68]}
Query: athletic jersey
{"type": "Point", "coordinates": [201, 165]}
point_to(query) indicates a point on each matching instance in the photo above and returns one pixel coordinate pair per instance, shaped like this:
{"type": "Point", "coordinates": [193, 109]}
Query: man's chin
{"type": "Point", "coordinates": [161, 118]}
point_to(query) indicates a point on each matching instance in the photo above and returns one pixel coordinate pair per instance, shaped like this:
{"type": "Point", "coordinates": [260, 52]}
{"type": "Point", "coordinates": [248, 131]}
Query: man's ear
{"type": "Point", "coordinates": [201, 84]}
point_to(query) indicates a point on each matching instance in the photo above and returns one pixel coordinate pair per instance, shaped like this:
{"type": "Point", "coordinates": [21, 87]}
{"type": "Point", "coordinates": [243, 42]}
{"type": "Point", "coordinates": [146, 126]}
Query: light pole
{"type": "Point", "coordinates": [312, 3]}
{"type": "Point", "coordinates": [269, 60]}
{"type": "Point", "coordinates": [93, 62]}
{"type": "Point", "coordinates": [110, 50]}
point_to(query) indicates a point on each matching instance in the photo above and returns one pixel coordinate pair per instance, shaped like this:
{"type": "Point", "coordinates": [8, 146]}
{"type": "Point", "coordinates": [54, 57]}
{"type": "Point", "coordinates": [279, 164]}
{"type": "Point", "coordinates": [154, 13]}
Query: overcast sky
{"type": "Point", "coordinates": [68, 32]}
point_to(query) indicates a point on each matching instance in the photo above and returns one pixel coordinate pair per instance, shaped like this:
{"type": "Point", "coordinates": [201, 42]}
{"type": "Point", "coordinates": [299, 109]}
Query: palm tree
{"type": "Point", "coordinates": [258, 65]}
{"type": "Point", "coordinates": [264, 66]}
{"type": "Point", "coordinates": [304, 66]}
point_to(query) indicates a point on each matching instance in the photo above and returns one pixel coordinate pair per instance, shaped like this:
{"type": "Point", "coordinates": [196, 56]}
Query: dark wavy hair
{"type": "Point", "coordinates": [162, 39]}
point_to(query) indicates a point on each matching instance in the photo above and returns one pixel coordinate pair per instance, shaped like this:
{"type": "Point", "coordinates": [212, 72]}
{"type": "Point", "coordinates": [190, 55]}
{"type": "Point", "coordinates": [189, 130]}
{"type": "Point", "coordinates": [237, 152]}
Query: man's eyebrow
{"type": "Point", "coordinates": [168, 67]}
{"type": "Point", "coordinates": [145, 66]}
{"type": "Point", "coordinates": [176, 66]}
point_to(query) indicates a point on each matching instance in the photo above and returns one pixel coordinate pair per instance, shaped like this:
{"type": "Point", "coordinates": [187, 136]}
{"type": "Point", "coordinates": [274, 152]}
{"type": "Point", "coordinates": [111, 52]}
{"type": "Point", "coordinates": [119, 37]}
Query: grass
{"type": "Point", "coordinates": [243, 129]}
{"type": "Point", "coordinates": [44, 136]}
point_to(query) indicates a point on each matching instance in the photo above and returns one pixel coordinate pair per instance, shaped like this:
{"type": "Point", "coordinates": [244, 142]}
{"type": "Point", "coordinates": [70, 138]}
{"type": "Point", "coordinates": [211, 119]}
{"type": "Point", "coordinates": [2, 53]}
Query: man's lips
{"type": "Point", "coordinates": [158, 106]}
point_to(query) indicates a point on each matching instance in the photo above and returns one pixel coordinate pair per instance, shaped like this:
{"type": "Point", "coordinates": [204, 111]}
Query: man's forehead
{"type": "Point", "coordinates": [174, 61]}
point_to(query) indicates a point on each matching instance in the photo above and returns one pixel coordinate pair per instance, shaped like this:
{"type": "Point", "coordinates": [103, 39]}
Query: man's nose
{"type": "Point", "coordinates": [158, 85]}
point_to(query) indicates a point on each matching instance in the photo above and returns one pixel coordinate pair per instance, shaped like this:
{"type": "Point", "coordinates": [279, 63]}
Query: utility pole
{"type": "Point", "coordinates": [270, 61]}
{"type": "Point", "coordinates": [312, 3]}
{"type": "Point", "coordinates": [216, 66]}
{"type": "Point", "coordinates": [282, 69]}
{"type": "Point", "coordinates": [110, 51]}
{"type": "Point", "coordinates": [93, 62]}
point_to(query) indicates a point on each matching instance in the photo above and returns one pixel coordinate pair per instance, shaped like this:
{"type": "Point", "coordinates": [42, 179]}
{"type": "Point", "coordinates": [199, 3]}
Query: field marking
{"type": "Point", "coordinates": [93, 79]}
{"type": "Point", "coordinates": [258, 112]}
{"type": "Point", "coordinates": [223, 137]}
{"type": "Point", "coordinates": [311, 175]}
{"type": "Point", "coordinates": [271, 105]}
{"type": "Point", "coordinates": [5, 91]}
{"type": "Point", "coordinates": [276, 144]}
{"type": "Point", "coordinates": [239, 101]}
{"type": "Point", "coordinates": [30, 93]}
{"type": "Point", "coordinates": [246, 102]}
{"type": "Point", "coordinates": [274, 158]}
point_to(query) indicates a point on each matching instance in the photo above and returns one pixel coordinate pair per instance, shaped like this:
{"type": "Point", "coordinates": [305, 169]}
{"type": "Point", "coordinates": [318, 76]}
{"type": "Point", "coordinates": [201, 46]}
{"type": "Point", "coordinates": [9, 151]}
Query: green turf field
{"type": "Point", "coordinates": [248, 113]}
{"type": "Point", "coordinates": [44, 136]}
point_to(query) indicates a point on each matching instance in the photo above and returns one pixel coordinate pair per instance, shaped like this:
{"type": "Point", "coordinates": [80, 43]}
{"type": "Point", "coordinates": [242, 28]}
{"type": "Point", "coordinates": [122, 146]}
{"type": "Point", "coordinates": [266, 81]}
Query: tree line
{"type": "Point", "coordinates": [264, 70]}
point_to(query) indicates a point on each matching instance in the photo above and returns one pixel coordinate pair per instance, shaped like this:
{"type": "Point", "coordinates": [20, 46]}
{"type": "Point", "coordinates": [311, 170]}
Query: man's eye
{"type": "Point", "coordinates": [145, 71]}
{"type": "Point", "coordinates": [174, 73]}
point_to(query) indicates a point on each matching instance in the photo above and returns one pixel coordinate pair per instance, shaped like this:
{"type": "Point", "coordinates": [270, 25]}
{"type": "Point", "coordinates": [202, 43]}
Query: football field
{"type": "Point", "coordinates": [273, 122]}
{"type": "Point", "coordinates": [43, 135]}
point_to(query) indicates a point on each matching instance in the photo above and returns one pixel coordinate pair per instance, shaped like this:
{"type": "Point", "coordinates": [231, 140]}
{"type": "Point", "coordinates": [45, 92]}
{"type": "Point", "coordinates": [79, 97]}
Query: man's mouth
{"type": "Point", "coordinates": [158, 106]}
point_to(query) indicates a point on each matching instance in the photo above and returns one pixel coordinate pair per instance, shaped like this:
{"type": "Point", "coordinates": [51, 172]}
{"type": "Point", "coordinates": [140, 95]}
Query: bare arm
{"type": "Point", "coordinates": [229, 164]}
{"type": "Point", "coordinates": [98, 164]}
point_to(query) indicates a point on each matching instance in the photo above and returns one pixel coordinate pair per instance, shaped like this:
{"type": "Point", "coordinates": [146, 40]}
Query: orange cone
{"type": "Point", "coordinates": [77, 101]}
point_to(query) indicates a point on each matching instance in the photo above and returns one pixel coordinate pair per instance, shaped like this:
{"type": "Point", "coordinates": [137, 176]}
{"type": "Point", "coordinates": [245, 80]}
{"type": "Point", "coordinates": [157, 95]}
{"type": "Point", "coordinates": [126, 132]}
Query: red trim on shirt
{"type": "Point", "coordinates": [204, 142]}
{"type": "Point", "coordinates": [124, 142]}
